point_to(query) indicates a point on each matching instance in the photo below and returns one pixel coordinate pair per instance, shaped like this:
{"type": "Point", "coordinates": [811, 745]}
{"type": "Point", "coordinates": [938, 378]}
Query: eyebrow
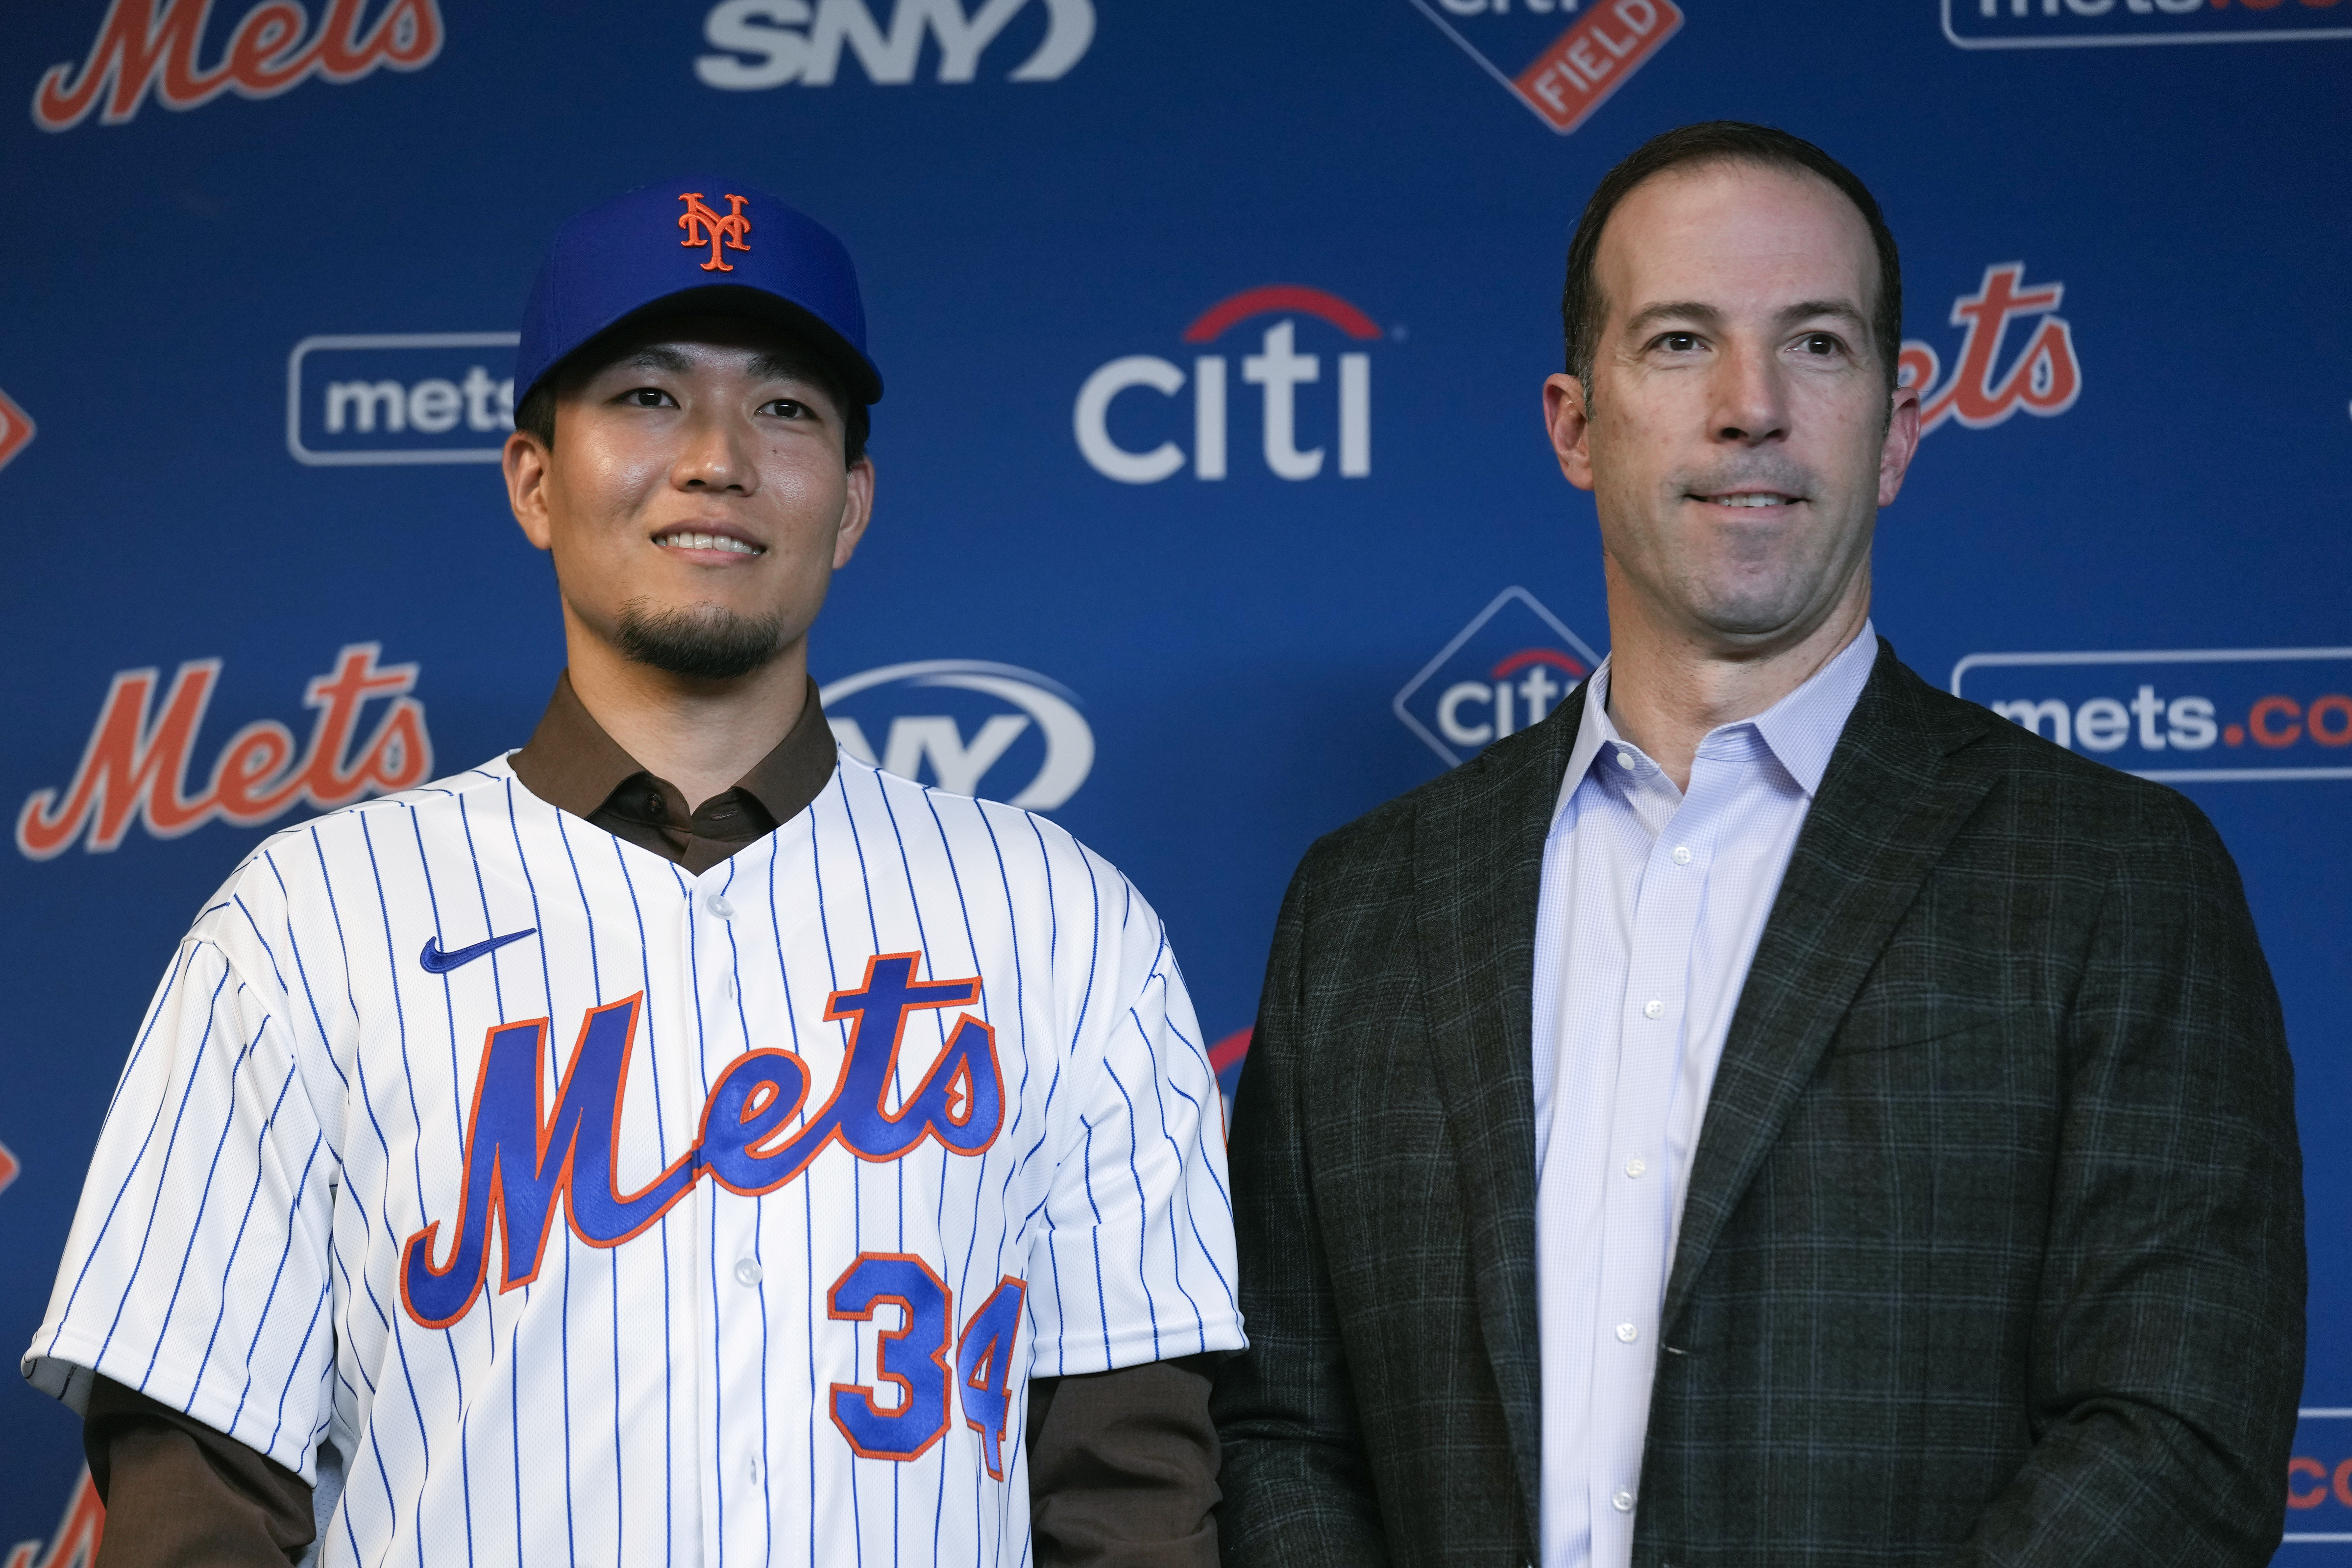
{"type": "Point", "coordinates": [1708, 316]}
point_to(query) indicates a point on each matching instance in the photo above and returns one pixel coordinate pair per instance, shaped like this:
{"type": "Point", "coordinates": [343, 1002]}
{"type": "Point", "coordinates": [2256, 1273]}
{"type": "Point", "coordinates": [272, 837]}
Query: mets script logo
{"type": "Point", "coordinates": [704, 227]}
{"type": "Point", "coordinates": [519, 1164]}
{"type": "Point", "coordinates": [1024, 729]}
{"type": "Point", "coordinates": [2044, 379]}
{"type": "Point", "coordinates": [135, 765]}
{"type": "Point", "coordinates": [274, 48]}
{"type": "Point", "coordinates": [75, 1544]}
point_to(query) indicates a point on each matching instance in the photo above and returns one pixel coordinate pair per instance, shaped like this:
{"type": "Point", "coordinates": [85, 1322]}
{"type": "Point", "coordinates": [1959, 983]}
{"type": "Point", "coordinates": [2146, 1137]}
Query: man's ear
{"type": "Point", "coordinates": [525, 461]}
{"type": "Point", "coordinates": [856, 512]}
{"type": "Point", "coordinates": [1902, 442]}
{"type": "Point", "coordinates": [1569, 419]}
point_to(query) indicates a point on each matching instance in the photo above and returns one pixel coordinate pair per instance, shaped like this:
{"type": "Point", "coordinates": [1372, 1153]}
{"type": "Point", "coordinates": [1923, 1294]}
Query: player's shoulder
{"type": "Point", "coordinates": [292, 865]}
{"type": "Point", "coordinates": [1029, 850]}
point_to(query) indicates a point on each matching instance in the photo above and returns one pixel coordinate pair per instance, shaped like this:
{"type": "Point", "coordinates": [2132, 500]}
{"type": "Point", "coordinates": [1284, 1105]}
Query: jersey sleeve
{"type": "Point", "coordinates": [197, 1268]}
{"type": "Point", "coordinates": [1135, 1262]}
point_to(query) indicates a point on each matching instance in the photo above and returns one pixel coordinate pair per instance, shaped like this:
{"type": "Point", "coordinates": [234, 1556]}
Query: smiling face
{"type": "Point", "coordinates": [696, 501]}
{"type": "Point", "coordinates": [1736, 434]}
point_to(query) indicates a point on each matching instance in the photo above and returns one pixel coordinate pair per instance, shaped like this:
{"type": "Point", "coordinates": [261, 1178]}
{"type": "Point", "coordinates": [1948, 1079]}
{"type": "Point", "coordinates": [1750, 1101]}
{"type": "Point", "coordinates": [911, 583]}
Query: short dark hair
{"type": "Point", "coordinates": [535, 414]}
{"type": "Point", "coordinates": [1582, 307]}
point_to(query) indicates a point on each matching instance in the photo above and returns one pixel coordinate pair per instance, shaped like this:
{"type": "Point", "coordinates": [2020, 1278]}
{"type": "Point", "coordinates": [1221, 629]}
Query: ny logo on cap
{"type": "Point", "coordinates": [704, 227]}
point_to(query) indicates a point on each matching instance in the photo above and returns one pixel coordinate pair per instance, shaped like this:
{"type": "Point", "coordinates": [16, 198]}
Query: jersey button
{"type": "Point", "coordinates": [747, 1271]}
{"type": "Point", "coordinates": [727, 986]}
{"type": "Point", "coordinates": [717, 905]}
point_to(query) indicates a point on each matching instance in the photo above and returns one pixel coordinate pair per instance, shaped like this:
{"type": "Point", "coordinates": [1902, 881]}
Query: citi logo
{"type": "Point", "coordinates": [2044, 378]}
{"type": "Point", "coordinates": [1503, 672]}
{"type": "Point", "coordinates": [769, 43]}
{"type": "Point", "coordinates": [135, 765]}
{"type": "Point", "coordinates": [399, 397]}
{"type": "Point", "coordinates": [968, 726]}
{"type": "Point", "coordinates": [1279, 369]}
{"type": "Point", "coordinates": [2204, 715]}
{"type": "Point", "coordinates": [154, 46]}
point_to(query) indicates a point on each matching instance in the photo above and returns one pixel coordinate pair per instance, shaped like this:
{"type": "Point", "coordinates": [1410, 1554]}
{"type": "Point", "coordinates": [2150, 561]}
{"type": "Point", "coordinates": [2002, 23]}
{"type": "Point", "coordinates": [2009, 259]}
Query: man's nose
{"type": "Point", "coordinates": [718, 456]}
{"type": "Point", "coordinates": [1750, 403]}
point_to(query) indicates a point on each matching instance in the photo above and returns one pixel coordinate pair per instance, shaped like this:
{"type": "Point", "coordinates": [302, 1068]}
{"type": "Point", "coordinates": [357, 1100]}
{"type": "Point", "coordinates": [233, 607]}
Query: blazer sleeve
{"type": "Point", "coordinates": [2169, 1336]}
{"type": "Point", "coordinates": [1297, 1490]}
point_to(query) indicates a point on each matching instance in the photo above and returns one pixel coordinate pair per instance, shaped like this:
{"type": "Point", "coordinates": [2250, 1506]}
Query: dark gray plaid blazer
{"type": "Point", "coordinates": [1993, 1247]}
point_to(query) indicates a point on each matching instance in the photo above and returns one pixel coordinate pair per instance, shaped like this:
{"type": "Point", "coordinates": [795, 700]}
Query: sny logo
{"type": "Point", "coordinates": [704, 227]}
{"type": "Point", "coordinates": [1042, 739]}
{"type": "Point", "coordinates": [1567, 76]}
{"type": "Point", "coordinates": [1503, 672]}
{"type": "Point", "coordinates": [518, 1165]}
{"type": "Point", "coordinates": [2044, 379]}
{"type": "Point", "coordinates": [1279, 369]}
{"type": "Point", "coordinates": [136, 766]}
{"type": "Point", "coordinates": [2193, 716]}
{"type": "Point", "coordinates": [138, 51]}
{"type": "Point", "coordinates": [769, 33]}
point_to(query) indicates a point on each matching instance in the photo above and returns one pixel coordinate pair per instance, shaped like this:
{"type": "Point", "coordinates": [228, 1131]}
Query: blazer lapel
{"type": "Point", "coordinates": [1478, 855]}
{"type": "Point", "coordinates": [1888, 806]}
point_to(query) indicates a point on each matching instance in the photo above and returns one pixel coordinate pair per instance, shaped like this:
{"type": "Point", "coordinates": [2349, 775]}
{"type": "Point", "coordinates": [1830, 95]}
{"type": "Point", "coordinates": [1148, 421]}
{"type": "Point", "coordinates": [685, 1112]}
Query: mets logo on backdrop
{"type": "Point", "coordinates": [2188, 716]}
{"type": "Point", "coordinates": [135, 764]}
{"type": "Point", "coordinates": [1561, 76]}
{"type": "Point", "coordinates": [2048, 23]}
{"type": "Point", "coordinates": [968, 726]}
{"type": "Point", "coordinates": [16, 430]}
{"type": "Point", "coordinates": [1112, 438]}
{"type": "Point", "coordinates": [156, 45]}
{"type": "Point", "coordinates": [1506, 670]}
{"type": "Point", "coordinates": [704, 227]}
{"type": "Point", "coordinates": [2044, 378]}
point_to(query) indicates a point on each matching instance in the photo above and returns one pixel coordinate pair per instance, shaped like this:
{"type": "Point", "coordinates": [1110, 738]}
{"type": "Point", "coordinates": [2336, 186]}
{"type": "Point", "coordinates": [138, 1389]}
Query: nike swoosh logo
{"type": "Point", "coordinates": [436, 961]}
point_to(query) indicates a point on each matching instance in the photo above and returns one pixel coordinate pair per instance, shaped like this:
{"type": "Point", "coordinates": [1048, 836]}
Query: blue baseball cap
{"type": "Point", "coordinates": [710, 246]}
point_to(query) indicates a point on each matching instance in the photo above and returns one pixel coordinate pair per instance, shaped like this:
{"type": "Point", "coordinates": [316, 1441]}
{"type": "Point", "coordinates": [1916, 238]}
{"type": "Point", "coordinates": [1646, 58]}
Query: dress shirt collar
{"type": "Point", "coordinates": [1800, 730]}
{"type": "Point", "coordinates": [571, 762]}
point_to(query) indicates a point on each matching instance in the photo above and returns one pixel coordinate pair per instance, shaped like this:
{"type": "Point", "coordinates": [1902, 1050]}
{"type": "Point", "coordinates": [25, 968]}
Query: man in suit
{"type": "Point", "coordinates": [1772, 1111]}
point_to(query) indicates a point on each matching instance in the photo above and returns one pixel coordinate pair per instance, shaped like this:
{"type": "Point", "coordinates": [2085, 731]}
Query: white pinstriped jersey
{"type": "Point", "coordinates": [716, 1219]}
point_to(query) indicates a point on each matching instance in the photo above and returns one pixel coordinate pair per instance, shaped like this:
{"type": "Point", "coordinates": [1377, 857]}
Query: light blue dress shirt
{"type": "Point", "coordinates": [1653, 900]}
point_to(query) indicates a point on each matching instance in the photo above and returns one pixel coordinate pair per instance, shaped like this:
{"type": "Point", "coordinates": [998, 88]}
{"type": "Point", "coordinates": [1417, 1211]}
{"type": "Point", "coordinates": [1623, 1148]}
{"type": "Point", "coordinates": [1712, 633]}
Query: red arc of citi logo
{"type": "Point", "coordinates": [1280, 369]}
{"type": "Point", "coordinates": [16, 430]}
{"type": "Point", "coordinates": [2044, 379]}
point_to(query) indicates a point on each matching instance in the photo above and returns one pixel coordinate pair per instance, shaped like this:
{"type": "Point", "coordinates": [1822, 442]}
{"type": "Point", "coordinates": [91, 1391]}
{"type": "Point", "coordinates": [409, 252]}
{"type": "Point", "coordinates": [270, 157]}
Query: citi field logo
{"type": "Point", "coordinates": [135, 765]}
{"type": "Point", "coordinates": [156, 46]}
{"type": "Point", "coordinates": [16, 430]}
{"type": "Point", "coordinates": [1505, 671]}
{"type": "Point", "coordinates": [768, 43]}
{"type": "Point", "coordinates": [2044, 378]}
{"type": "Point", "coordinates": [2074, 24]}
{"type": "Point", "coordinates": [1111, 431]}
{"type": "Point", "coordinates": [400, 397]}
{"type": "Point", "coordinates": [1566, 75]}
{"type": "Point", "coordinates": [2194, 716]}
{"type": "Point", "coordinates": [968, 726]}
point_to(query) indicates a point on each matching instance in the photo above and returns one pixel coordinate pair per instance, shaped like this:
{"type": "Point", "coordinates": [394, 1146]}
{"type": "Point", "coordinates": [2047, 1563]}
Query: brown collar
{"type": "Point", "coordinates": [569, 762]}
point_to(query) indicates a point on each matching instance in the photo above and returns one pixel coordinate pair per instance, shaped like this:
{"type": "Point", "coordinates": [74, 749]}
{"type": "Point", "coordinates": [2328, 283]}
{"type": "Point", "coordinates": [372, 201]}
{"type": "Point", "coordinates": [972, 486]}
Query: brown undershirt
{"type": "Point", "coordinates": [1122, 1464]}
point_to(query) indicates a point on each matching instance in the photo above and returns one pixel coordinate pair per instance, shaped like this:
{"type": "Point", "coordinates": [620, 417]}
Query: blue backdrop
{"type": "Point", "coordinates": [1214, 505]}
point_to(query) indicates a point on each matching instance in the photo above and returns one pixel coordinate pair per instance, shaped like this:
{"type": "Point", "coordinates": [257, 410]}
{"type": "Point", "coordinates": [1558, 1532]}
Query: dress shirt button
{"type": "Point", "coordinates": [717, 905]}
{"type": "Point", "coordinates": [1682, 855]}
{"type": "Point", "coordinates": [1654, 1008]}
{"type": "Point", "coordinates": [1623, 1502]}
{"type": "Point", "coordinates": [1627, 1333]}
{"type": "Point", "coordinates": [1625, 760]}
{"type": "Point", "coordinates": [1636, 1166]}
{"type": "Point", "coordinates": [747, 1271]}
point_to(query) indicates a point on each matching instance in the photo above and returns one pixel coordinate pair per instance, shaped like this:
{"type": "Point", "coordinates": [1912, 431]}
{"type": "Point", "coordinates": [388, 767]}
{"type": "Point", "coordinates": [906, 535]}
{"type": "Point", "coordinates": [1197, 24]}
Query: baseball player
{"type": "Point", "coordinates": [674, 1141]}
